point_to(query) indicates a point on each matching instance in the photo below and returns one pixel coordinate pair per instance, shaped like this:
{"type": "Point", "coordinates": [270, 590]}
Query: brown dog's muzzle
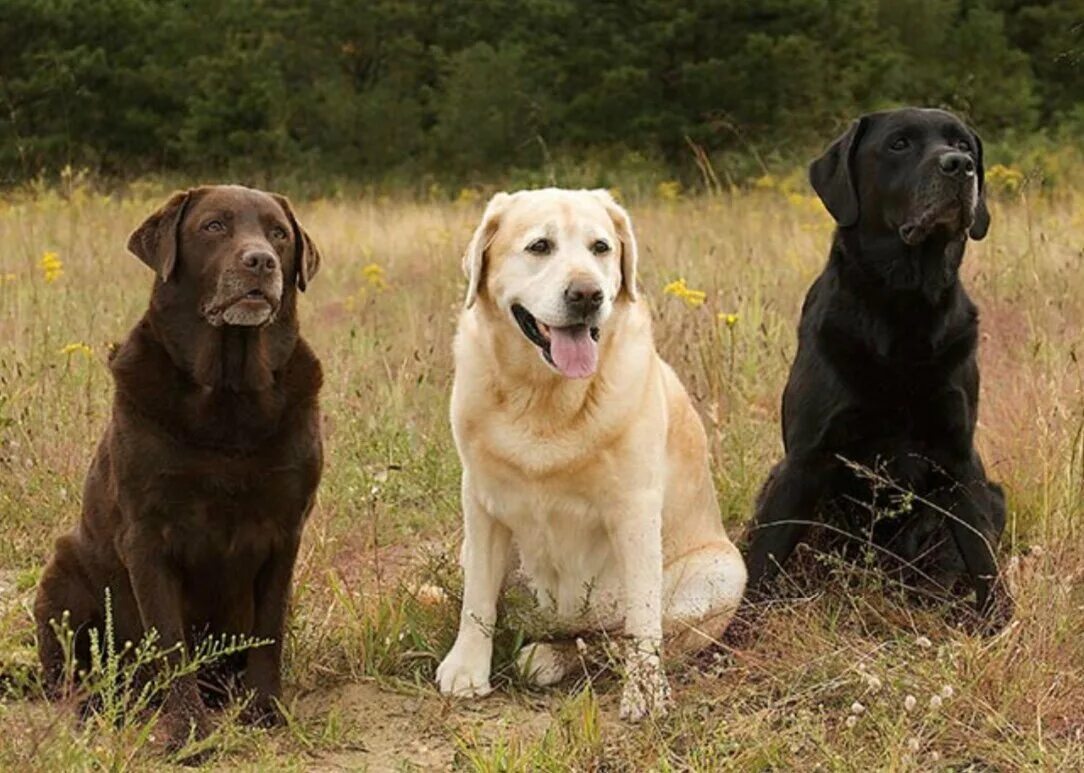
{"type": "Point", "coordinates": [248, 292]}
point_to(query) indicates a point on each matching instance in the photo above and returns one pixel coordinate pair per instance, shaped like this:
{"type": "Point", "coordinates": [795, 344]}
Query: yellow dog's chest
{"type": "Point", "coordinates": [563, 542]}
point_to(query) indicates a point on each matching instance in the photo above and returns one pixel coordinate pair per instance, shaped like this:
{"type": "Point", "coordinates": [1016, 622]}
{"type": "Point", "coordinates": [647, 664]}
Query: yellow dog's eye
{"type": "Point", "coordinates": [540, 247]}
{"type": "Point", "coordinates": [600, 247]}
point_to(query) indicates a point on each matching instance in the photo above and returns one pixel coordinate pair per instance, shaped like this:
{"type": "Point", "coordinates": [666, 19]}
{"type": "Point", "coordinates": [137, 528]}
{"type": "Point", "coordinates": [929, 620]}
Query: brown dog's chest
{"type": "Point", "coordinates": [227, 504]}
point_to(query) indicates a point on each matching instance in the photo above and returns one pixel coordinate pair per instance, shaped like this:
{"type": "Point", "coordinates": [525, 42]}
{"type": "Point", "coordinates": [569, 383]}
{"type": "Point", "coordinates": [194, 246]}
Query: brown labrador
{"type": "Point", "coordinates": [195, 501]}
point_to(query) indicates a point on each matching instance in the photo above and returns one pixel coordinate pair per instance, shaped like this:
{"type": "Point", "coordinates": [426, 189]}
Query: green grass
{"type": "Point", "coordinates": [367, 628]}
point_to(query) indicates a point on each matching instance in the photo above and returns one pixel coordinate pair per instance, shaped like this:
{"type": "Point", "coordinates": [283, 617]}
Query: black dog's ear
{"type": "Point", "coordinates": [981, 223]}
{"type": "Point", "coordinates": [305, 253]}
{"type": "Point", "coordinates": [155, 241]}
{"type": "Point", "coordinates": [832, 175]}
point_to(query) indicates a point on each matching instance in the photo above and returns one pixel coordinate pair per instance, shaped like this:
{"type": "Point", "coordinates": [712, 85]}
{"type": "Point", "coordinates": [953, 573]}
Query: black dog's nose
{"type": "Point", "coordinates": [259, 262]}
{"type": "Point", "coordinates": [956, 164]}
{"type": "Point", "coordinates": [583, 297]}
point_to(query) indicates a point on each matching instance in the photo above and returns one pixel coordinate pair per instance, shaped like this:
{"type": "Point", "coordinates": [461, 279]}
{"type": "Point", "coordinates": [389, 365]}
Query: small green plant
{"type": "Point", "coordinates": [121, 686]}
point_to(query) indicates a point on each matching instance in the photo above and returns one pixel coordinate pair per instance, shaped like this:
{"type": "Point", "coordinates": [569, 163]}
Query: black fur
{"type": "Point", "coordinates": [886, 375]}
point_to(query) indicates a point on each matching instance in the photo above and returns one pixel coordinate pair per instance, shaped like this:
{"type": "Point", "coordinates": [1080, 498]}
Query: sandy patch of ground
{"type": "Point", "coordinates": [413, 730]}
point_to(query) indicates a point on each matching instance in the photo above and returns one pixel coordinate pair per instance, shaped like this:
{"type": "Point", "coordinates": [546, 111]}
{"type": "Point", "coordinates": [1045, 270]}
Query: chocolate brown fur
{"type": "Point", "coordinates": [195, 501]}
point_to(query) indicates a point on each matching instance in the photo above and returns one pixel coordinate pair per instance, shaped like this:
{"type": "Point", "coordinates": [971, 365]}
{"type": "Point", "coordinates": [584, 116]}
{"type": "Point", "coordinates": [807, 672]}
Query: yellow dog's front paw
{"type": "Point", "coordinates": [544, 664]}
{"type": "Point", "coordinates": [464, 673]}
{"type": "Point", "coordinates": [646, 693]}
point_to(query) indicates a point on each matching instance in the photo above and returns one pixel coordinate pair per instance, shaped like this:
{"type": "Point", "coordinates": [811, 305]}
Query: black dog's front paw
{"type": "Point", "coordinates": [993, 612]}
{"type": "Point", "coordinates": [999, 608]}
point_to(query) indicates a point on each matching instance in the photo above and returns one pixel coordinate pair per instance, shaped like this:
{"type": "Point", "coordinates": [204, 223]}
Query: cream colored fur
{"type": "Point", "coordinates": [600, 484]}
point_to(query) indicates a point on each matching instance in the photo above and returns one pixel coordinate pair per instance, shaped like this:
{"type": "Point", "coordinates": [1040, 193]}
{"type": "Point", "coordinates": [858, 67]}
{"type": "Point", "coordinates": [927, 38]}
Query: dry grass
{"type": "Point", "coordinates": [362, 647]}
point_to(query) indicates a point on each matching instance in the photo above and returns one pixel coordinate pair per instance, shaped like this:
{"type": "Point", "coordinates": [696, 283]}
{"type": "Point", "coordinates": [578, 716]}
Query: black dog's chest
{"type": "Point", "coordinates": [904, 420]}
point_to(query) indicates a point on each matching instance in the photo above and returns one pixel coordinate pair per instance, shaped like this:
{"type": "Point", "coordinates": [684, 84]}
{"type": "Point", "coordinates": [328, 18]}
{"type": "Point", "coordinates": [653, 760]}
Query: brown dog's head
{"type": "Point", "coordinates": [912, 172]}
{"type": "Point", "coordinates": [231, 253]}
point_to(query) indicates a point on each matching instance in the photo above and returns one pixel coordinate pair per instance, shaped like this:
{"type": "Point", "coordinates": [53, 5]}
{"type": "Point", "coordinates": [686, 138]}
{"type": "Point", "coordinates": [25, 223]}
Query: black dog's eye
{"type": "Point", "coordinates": [964, 145]}
{"type": "Point", "coordinates": [215, 226]}
{"type": "Point", "coordinates": [540, 247]}
{"type": "Point", "coordinates": [900, 143]}
{"type": "Point", "coordinates": [279, 232]}
{"type": "Point", "coordinates": [600, 247]}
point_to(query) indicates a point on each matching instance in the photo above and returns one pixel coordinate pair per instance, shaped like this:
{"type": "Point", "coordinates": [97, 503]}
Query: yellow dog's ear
{"type": "Point", "coordinates": [630, 256]}
{"type": "Point", "coordinates": [474, 259]}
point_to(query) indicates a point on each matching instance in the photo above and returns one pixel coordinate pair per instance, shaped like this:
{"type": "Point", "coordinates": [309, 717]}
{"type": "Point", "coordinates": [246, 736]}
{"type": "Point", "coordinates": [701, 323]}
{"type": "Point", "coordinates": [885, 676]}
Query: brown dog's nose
{"type": "Point", "coordinates": [260, 262]}
{"type": "Point", "coordinates": [583, 297]}
{"type": "Point", "coordinates": [956, 164]}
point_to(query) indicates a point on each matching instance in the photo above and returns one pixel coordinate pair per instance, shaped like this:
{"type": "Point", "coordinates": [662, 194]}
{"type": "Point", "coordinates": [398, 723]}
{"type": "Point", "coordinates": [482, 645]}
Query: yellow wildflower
{"type": "Point", "coordinates": [467, 196]}
{"type": "Point", "coordinates": [1004, 179]}
{"type": "Point", "coordinates": [74, 348]}
{"type": "Point", "coordinates": [766, 182]}
{"type": "Point", "coordinates": [374, 275]}
{"type": "Point", "coordinates": [808, 203]}
{"type": "Point", "coordinates": [729, 319]}
{"type": "Point", "coordinates": [51, 266]}
{"type": "Point", "coordinates": [692, 298]}
{"type": "Point", "coordinates": [669, 190]}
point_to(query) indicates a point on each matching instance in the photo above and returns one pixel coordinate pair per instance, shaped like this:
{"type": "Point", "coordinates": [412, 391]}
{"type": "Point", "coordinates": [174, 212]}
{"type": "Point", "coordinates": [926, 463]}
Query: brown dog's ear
{"type": "Point", "coordinates": [832, 175]}
{"type": "Point", "coordinates": [155, 241]}
{"type": "Point", "coordinates": [474, 258]}
{"type": "Point", "coordinates": [981, 224]}
{"type": "Point", "coordinates": [305, 253]}
{"type": "Point", "coordinates": [630, 255]}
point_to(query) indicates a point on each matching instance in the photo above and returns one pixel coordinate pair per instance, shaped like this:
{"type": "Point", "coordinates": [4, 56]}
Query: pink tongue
{"type": "Point", "coordinates": [573, 350]}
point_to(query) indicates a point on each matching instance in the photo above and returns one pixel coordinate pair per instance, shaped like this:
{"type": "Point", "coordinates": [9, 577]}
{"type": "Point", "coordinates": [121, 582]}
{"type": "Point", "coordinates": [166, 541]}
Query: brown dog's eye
{"type": "Point", "coordinates": [215, 226]}
{"type": "Point", "coordinates": [600, 247]}
{"type": "Point", "coordinates": [279, 232]}
{"type": "Point", "coordinates": [540, 247]}
{"type": "Point", "coordinates": [900, 143]}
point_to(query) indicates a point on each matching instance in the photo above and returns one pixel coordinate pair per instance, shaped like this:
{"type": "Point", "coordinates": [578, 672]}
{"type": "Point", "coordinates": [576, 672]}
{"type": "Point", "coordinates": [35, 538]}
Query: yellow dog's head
{"type": "Point", "coordinates": [553, 262]}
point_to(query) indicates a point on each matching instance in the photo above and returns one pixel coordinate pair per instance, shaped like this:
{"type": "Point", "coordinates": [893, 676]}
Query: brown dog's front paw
{"type": "Point", "coordinates": [179, 728]}
{"type": "Point", "coordinates": [263, 711]}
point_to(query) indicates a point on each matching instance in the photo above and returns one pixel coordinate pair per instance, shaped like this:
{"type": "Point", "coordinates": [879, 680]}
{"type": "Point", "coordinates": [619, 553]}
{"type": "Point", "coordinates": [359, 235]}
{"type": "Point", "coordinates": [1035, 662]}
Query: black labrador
{"type": "Point", "coordinates": [880, 406]}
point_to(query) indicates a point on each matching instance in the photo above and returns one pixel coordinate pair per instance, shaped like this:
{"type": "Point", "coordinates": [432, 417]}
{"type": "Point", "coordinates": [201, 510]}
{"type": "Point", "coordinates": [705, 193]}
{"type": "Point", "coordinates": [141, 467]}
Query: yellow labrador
{"type": "Point", "coordinates": [581, 449]}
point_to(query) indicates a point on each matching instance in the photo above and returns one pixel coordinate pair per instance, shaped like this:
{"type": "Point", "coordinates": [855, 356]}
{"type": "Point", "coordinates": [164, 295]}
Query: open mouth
{"type": "Point", "coordinates": [571, 350]}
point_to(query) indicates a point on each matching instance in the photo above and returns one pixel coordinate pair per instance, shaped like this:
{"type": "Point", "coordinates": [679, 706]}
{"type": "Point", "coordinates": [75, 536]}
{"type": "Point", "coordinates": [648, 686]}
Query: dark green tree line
{"type": "Point", "coordinates": [377, 88]}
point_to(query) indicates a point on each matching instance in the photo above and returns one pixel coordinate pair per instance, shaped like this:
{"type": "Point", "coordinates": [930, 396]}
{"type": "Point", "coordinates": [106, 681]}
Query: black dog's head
{"type": "Point", "coordinates": [912, 172]}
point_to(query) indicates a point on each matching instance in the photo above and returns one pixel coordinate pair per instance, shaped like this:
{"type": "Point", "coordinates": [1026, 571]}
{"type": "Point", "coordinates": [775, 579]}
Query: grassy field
{"type": "Point", "coordinates": [839, 675]}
